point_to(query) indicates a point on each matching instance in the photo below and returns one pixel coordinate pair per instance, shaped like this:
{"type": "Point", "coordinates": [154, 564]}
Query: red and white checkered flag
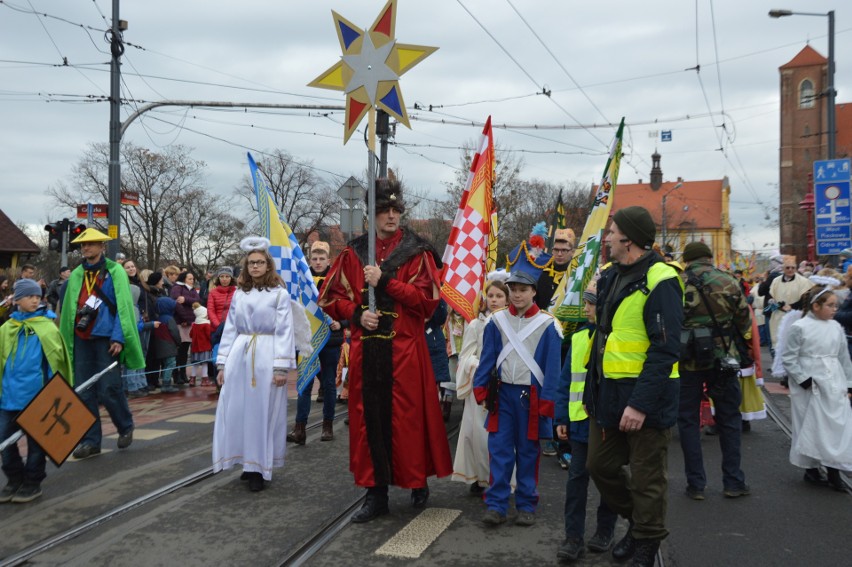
{"type": "Point", "coordinates": [472, 248]}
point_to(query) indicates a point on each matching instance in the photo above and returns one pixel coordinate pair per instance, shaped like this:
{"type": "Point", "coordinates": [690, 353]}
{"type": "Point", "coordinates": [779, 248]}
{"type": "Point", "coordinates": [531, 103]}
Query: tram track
{"type": "Point", "coordinates": [312, 545]}
{"type": "Point", "coordinates": [32, 551]}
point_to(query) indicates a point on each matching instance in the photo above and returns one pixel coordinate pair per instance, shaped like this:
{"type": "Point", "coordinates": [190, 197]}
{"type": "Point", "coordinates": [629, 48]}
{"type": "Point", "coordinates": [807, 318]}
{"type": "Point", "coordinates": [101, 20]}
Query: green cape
{"type": "Point", "coordinates": [52, 345]}
{"type": "Point", "coordinates": [131, 355]}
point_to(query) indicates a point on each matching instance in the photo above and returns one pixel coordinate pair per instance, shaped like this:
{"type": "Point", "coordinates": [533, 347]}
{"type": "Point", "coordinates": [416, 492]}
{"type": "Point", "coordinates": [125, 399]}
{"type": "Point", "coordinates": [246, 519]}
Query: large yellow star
{"type": "Point", "coordinates": [370, 68]}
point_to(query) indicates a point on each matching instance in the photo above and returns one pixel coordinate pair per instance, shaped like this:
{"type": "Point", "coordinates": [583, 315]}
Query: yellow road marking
{"type": "Point", "coordinates": [412, 540]}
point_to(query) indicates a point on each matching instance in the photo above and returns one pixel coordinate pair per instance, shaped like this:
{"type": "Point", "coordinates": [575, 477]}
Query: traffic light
{"type": "Point", "coordinates": [75, 231]}
{"type": "Point", "coordinates": [54, 235]}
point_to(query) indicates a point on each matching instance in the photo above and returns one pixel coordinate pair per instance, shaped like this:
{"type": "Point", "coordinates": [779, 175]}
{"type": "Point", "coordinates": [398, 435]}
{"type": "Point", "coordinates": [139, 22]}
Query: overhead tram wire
{"type": "Point", "coordinates": [557, 61]}
{"type": "Point", "coordinates": [525, 72]}
{"type": "Point", "coordinates": [59, 51]}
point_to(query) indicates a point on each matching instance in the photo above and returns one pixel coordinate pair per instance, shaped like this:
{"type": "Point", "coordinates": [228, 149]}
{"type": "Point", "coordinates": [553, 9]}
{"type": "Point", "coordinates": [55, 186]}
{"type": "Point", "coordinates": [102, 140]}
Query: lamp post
{"type": "Point", "coordinates": [832, 136]}
{"type": "Point", "coordinates": [664, 230]}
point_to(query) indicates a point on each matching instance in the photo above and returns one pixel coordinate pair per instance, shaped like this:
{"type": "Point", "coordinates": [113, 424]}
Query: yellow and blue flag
{"type": "Point", "coordinates": [291, 265]}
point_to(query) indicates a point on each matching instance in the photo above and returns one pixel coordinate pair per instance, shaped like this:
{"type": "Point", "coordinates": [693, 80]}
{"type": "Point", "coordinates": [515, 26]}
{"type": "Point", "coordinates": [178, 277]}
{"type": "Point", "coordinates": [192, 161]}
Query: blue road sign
{"type": "Point", "coordinates": [832, 207]}
{"type": "Point", "coordinates": [666, 136]}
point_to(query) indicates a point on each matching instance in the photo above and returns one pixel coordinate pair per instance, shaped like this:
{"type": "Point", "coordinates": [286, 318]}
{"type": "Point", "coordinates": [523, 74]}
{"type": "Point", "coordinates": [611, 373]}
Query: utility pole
{"type": "Point", "coordinates": [114, 185]}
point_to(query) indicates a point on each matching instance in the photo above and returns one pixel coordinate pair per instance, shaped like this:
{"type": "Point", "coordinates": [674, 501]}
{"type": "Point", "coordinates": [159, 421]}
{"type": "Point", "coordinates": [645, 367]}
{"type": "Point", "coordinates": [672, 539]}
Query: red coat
{"type": "Point", "coordinates": [416, 443]}
{"type": "Point", "coordinates": [200, 335]}
{"type": "Point", "coordinates": [218, 304]}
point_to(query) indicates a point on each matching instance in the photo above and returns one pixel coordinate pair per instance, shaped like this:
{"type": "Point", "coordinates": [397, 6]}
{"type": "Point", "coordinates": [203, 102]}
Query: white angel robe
{"type": "Point", "coordinates": [251, 417]}
{"type": "Point", "coordinates": [471, 460]}
{"type": "Point", "coordinates": [822, 418]}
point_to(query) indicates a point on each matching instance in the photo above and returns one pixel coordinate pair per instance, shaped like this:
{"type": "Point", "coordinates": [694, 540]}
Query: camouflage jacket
{"type": "Point", "coordinates": [725, 297]}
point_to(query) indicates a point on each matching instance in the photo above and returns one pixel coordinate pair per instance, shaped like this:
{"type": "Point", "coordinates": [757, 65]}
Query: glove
{"type": "Point", "coordinates": [807, 383]}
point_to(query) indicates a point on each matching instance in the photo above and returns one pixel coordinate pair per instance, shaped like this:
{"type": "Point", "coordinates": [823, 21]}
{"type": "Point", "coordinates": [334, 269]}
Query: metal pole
{"type": "Point", "coordinates": [371, 201]}
{"type": "Point", "coordinates": [383, 131]}
{"type": "Point", "coordinates": [114, 195]}
{"type": "Point", "coordinates": [66, 226]}
{"type": "Point", "coordinates": [832, 128]}
{"type": "Point", "coordinates": [664, 223]}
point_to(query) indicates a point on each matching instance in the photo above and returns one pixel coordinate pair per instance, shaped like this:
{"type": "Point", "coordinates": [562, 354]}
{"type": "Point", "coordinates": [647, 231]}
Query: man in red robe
{"type": "Point", "coordinates": [396, 430]}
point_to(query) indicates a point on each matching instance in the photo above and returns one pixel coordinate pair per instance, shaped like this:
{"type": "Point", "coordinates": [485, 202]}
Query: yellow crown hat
{"type": "Point", "coordinates": [91, 235]}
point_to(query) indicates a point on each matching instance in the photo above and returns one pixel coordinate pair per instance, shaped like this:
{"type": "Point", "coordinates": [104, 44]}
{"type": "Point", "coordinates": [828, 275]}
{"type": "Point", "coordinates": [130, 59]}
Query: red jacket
{"type": "Point", "coordinates": [218, 304]}
{"type": "Point", "coordinates": [200, 335]}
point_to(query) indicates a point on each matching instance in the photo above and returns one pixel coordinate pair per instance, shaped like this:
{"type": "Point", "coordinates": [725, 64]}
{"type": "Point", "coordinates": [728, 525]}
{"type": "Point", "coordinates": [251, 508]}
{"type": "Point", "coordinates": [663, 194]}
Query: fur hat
{"type": "Point", "coordinates": [695, 250]}
{"type": "Point", "coordinates": [25, 288]}
{"type": "Point", "coordinates": [637, 225]}
{"type": "Point", "coordinates": [388, 194]}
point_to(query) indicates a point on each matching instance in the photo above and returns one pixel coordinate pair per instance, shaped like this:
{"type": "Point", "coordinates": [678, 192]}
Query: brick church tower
{"type": "Point", "coordinates": [804, 139]}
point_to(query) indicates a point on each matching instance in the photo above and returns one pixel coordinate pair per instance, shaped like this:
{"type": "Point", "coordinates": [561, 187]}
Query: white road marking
{"type": "Point", "coordinates": [147, 434]}
{"type": "Point", "coordinates": [194, 418]}
{"type": "Point", "coordinates": [412, 540]}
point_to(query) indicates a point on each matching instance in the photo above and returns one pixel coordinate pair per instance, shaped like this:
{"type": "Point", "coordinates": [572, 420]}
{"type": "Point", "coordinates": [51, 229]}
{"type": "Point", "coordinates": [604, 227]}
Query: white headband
{"type": "Point", "coordinates": [829, 283]}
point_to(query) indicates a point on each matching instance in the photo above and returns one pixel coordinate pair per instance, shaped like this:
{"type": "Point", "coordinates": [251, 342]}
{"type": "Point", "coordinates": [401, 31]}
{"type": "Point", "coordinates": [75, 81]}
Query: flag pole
{"type": "Point", "coordinates": [371, 200]}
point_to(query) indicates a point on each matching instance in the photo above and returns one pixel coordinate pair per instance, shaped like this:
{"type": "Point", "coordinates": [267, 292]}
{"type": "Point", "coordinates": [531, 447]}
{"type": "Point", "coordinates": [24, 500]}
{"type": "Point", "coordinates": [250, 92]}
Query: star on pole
{"type": "Point", "coordinates": [370, 68]}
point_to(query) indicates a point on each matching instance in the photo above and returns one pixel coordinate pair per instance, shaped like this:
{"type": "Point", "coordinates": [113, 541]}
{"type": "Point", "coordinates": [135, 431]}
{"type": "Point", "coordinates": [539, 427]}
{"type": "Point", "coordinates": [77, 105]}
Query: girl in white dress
{"type": "Point", "coordinates": [471, 461]}
{"type": "Point", "coordinates": [256, 357]}
{"type": "Point", "coordinates": [820, 372]}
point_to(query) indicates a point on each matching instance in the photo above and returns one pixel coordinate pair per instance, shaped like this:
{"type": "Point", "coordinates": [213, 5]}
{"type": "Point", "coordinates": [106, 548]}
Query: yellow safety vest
{"type": "Point", "coordinates": [581, 343]}
{"type": "Point", "coordinates": [627, 345]}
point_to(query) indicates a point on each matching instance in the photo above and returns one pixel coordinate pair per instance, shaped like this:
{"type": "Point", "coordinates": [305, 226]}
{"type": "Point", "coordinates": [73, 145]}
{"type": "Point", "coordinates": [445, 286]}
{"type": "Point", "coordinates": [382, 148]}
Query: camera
{"type": "Point", "coordinates": [728, 367]}
{"type": "Point", "coordinates": [86, 315]}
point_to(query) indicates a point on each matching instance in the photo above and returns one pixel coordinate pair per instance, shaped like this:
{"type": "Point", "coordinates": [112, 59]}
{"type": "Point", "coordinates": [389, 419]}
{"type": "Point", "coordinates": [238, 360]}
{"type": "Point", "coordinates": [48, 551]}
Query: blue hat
{"type": "Point", "coordinates": [26, 288]}
{"type": "Point", "coordinates": [521, 277]}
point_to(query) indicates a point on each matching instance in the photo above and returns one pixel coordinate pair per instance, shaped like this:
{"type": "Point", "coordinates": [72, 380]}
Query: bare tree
{"type": "Point", "coordinates": [306, 202]}
{"type": "Point", "coordinates": [175, 209]}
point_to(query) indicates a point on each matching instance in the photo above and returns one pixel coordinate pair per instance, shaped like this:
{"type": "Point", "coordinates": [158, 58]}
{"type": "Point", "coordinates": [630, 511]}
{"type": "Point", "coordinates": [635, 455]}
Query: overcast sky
{"type": "Point", "coordinates": [631, 59]}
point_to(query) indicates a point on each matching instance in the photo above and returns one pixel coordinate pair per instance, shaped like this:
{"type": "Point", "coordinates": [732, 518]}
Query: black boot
{"type": "Point", "coordinates": [834, 480]}
{"type": "Point", "coordinates": [646, 553]}
{"type": "Point", "coordinates": [419, 497]}
{"type": "Point", "coordinates": [626, 547]}
{"type": "Point", "coordinates": [374, 506]}
{"type": "Point", "coordinates": [298, 435]}
{"type": "Point", "coordinates": [571, 549]}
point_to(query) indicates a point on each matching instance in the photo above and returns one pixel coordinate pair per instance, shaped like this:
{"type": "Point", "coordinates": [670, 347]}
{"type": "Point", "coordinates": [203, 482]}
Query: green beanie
{"type": "Point", "coordinates": [695, 250]}
{"type": "Point", "coordinates": [637, 225]}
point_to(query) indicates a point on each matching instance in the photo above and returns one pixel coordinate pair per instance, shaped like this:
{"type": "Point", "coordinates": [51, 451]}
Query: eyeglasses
{"type": "Point", "coordinates": [562, 250]}
{"type": "Point", "coordinates": [257, 262]}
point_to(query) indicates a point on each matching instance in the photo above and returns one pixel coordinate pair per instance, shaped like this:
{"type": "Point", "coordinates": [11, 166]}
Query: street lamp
{"type": "Point", "coordinates": [830, 114]}
{"type": "Point", "coordinates": [665, 195]}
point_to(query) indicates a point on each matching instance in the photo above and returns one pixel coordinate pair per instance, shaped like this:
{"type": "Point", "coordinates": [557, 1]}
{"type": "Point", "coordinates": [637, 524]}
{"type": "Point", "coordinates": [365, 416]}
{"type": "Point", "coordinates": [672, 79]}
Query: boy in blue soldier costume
{"type": "Point", "coordinates": [31, 350]}
{"type": "Point", "coordinates": [522, 343]}
{"type": "Point", "coordinates": [573, 423]}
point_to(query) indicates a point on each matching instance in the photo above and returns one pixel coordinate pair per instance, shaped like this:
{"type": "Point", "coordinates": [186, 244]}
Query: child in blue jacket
{"type": "Point", "coordinates": [31, 350]}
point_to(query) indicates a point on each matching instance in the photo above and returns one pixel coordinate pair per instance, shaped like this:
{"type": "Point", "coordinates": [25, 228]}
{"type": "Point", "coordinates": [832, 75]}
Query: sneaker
{"type": "Point", "coordinates": [476, 489]}
{"type": "Point", "coordinates": [548, 449]}
{"type": "Point", "coordinates": [600, 542]}
{"type": "Point", "coordinates": [136, 394]}
{"type": "Point", "coordinates": [125, 440]}
{"type": "Point", "coordinates": [493, 518]}
{"type": "Point", "coordinates": [737, 492]}
{"type": "Point", "coordinates": [564, 460]}
{"type": "Point", "coordinates": [625, 548]}
{"type": "Point", "coordinates": [12, 487]}
{"type": "Point", "coordinates": [571, 549]}
{"type": "Point", "coordinates": [813, 476]}
{"type": "Point", "coordinates": [27, 493]}
{"type": "Point", "coordinates": [525, 518]}
{"type": "Point", "coordinates": [694, 493]}
{"type": "Point", "coordinates": [169, 390]}
{"type": "Point", "coordinates": [86, 451]}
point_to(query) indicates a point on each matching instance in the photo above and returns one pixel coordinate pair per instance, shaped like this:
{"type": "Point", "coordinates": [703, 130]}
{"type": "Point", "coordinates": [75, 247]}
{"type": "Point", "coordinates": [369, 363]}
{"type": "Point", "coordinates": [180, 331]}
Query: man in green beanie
{"type": "Point", "coordinates": [717, 336]}
{"type": "Point", "coordinates": [631, 391]}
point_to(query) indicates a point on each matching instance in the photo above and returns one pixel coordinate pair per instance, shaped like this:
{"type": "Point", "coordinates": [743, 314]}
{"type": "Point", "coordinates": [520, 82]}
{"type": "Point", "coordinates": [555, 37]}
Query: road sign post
{"type": "Point", "coordinates": [833, 209]}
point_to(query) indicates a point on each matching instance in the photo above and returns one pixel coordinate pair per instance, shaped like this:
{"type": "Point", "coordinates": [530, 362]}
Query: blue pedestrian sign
{"type": "Point", "coordinates": [832, 207]}
{"type": "Point", "coordinates": [666, 136]}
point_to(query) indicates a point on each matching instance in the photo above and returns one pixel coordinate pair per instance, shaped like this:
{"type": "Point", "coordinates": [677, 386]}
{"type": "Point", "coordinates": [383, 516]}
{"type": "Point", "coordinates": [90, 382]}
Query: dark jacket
{"type": "Point", "coordinates": [546, 287]}
{"type": "Point", "coordinates": [183, 311]}
{"type": "Point", "coordinates": [335, 339]}
{"type": "Point", "coordinates": [438, 343]}
{"type": "Point", "coordinates": [165, 338]}
{"type": "Point", "coordinates": [652, 392]}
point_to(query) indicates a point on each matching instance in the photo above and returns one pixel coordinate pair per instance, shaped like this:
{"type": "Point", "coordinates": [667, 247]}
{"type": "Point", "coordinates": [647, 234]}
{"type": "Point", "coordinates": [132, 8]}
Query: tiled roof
{"type": "Point", "coordinates": [806, 57]}
{"type": "Point", "coordinates": [702, 199]}
{"type": "Point", "coordinates": [12, 239]}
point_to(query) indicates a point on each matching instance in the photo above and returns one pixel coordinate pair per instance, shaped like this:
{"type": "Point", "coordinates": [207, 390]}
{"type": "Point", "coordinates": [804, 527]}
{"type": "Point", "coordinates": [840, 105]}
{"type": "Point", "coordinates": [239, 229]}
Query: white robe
{"type": "Point", "coordinates": [788, 292]}
{"type": "Point", "coordinates": [822, 418]}
{"type": "Point", "coordinates": [251, 417]}
{"type": "Point", "coordinates": [471, 460]}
